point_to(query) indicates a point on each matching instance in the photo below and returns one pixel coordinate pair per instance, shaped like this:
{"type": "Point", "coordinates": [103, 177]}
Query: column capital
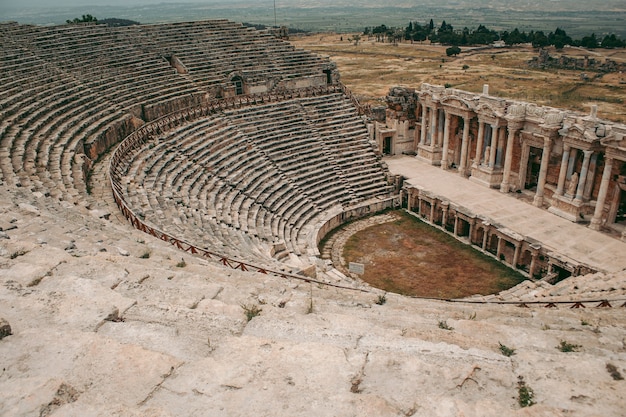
{"type": "Point", "coordinates": [588, 153]}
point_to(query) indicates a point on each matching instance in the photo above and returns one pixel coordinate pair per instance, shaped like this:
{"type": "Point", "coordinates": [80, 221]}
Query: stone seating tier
{"type": "Point", "coordinates": [262, 172]}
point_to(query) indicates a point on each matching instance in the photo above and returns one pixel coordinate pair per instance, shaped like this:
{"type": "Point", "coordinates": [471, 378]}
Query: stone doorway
{"type": "Point", "coordinates": [387, 145]}
{"type": "Point", "coordinates": [532, 171]}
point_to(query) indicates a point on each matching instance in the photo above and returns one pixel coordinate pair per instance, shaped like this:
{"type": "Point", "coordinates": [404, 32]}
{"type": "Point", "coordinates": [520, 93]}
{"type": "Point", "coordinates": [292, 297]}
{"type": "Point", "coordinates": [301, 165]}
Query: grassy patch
{"type": "Point", "coordinates": [410, 257]}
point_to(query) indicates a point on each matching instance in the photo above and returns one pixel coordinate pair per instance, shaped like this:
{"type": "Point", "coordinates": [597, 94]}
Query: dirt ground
{"type": "Point", "coordinates": [410, 257]}
{"type": "Point", "coordinates": [370, 68]}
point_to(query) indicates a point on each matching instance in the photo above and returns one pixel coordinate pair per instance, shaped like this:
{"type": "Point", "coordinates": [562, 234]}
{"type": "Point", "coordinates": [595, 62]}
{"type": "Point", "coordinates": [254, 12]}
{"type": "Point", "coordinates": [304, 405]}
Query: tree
{"type": "Point", "coordinates": [453, 50]}
{"type": "Point", "coordinates": [85, 19]}
{"type": "Point", "coordinates": [589, 42]}
{"type": "Point", "coordinates": [539, 40]}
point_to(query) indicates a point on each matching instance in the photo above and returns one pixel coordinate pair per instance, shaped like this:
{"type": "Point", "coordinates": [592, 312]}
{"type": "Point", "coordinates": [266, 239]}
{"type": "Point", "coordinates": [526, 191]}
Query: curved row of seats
{"type": "Point", "coordinates": [71, 87]}
{"type": "Point", "coordinates": [262, 175]}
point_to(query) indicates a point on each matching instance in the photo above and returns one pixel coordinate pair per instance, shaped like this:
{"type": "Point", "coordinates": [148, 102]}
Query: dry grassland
{"type": "Point", "coordinates": [371, 68]}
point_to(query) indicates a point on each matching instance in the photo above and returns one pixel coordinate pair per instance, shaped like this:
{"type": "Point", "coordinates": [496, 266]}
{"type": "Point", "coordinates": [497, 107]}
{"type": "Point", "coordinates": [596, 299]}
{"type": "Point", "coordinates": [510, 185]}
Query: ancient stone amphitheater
{"type": "Point", "coordinates": [164, 189]}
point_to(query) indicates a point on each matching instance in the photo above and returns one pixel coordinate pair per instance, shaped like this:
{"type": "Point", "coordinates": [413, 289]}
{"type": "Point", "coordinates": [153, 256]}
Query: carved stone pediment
{"type": "Point", "coordinates": [579, 134]}
{"type": "Point", "coordinates": [456, 102]}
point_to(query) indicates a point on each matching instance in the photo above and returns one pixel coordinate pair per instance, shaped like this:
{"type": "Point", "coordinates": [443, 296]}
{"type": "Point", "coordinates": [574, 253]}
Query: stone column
{"type": "Point", "coordinates": [479, 143]}
{"type": "Point", "coordinates": [485, 235]}
{"type": "Point", "coordinates": [432, 212]}
{"type": "Point", "coordinates": [533, 264]}
{"type": "Point", "coordinates": [444, 217]}
{"type": "Point", "coordinates": [596, 221]}
{"type": "Point", "coordinates": [523, 165]}
{"type": "Point", "coordinates": [434, 126]}
{"type": "Point", "coordinates": [419, 206]}
{"type": "Point", "coordinates": [508, 159]}
{"type": "Point", "coordinates": [464, 146]}
{"type": "Point", "coordinates": [446, 141]}
{"type": "Point", "coordinates": [455, 232]}
{"type": "Point", "coordinates": [408, 199]}
{"type": "Point", "coordinates": [472, 224]}
{"type": "Point", "coordinates": [423, 132]}
{"type": "Point", "coordinates": [543, 172]}
{"type": "Point", "coordinates": [499, 247]}
{"type": "Point", "coordinates": [518, 246]}
{"type": "Point", "coordinates": [593, 165]}
{"type": "Point", "coordinates": [583, 175]}
{"type": "Point", "coordinates": [563, 172]}
{"type": "Point", "coordinates": [494, 146]}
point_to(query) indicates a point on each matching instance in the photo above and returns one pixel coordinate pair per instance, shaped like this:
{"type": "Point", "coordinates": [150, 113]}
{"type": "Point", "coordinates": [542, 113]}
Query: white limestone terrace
{"type": "Point", "coordinates": [582, 244]}
{"type": "Point", "coordinates": [99, 328]}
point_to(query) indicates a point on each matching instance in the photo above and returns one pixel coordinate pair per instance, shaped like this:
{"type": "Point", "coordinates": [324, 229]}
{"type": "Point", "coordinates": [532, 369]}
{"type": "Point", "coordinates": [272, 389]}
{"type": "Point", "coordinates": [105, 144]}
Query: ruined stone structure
{"type": "Point", "coordinates": [545, 60]}
{"type": "Point", "coordinates": [72, 92]}
{"type": "Point", "coordinates": [572, 164]}
{"type": "Point", "coordinates": [171, 275]}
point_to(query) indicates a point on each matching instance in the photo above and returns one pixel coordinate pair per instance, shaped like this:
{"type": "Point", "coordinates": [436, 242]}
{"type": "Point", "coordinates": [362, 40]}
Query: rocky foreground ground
{"type": "Point", "coordinates": [107, 321]}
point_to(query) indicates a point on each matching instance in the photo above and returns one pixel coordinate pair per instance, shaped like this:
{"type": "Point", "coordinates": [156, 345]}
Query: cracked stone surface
{"type": "Point", "coordinates": [96, 332]}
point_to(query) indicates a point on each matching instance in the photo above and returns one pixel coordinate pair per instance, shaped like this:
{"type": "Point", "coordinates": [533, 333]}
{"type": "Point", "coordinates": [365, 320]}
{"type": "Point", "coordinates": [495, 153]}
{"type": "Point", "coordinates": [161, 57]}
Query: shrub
{"type": "Point", "coordinates": [453, 50]}
{"type": "Point", "coordinates": [526, 396]}
{"type": "Point", "coordinates": [615, 374]}
{"type": "Point", "coordinates": [182, 263]}
{"type": "Point", "coordinates": [443, 324]}
{"type": "Point", "coordinates": [382, 299]}
{"type": "Point", "coordinates": [506, 351]}
{"type": "Point", "coordinates": [568, 347]}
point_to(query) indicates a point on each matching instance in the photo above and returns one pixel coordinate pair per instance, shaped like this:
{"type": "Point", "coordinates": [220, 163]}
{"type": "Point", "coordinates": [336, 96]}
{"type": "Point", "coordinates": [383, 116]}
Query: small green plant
{"type": "Point", "coordinates": [447, 85]}
{"type": "Point", "coordinates": [465, 67]}
{"type": "Point", "coordinates": [506, 351]}
{"type": "Point", "coordinates": [545, 327]}
{"type": "Point", "coordinates": [443, 324]}
{"type": "Point", "coordinates": [472, 316]}
{"type": "Point", "coordinates": [526, 396]}
{"type": "Point", "coordinates": [251, 311]}
{"type": "Point", "coordinates": [382, 299]}
{"type": "Point", "coordinates": [583, 322]}
{"type": "Point", "coordinates": [182, 263]}
{"type": "Point", "coordinates": [615, 374]}
{"type": "Point", "coordinates": [568, 347]}
{"type": "Point", "coordinates": [145, 255]}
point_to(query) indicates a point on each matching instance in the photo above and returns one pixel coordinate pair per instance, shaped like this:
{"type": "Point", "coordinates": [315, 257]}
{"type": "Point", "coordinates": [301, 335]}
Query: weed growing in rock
{"type": "Point", "coordinates": [182, 263]}
{"type": "Point", "coordinates": [506, 351]}
{"type": "Point", "coordinates": [567, 347]}
{"type": "Point", "coordinates": [526, 396]}
{"type": "Point", "coordinates": [443, 324]}
{"type": "Point", "coordinates": [615, 374]}
{"type": "Point", "coordinates": [145, 255]}
{"type": "Point", "coordinates": [472, 316]}
{"type": "Point", "coordinates": [17, 253]}
{"type": "Point", "coordinates": [251, 311]}
{"type": "Point", "coordinates": [382, 299]}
